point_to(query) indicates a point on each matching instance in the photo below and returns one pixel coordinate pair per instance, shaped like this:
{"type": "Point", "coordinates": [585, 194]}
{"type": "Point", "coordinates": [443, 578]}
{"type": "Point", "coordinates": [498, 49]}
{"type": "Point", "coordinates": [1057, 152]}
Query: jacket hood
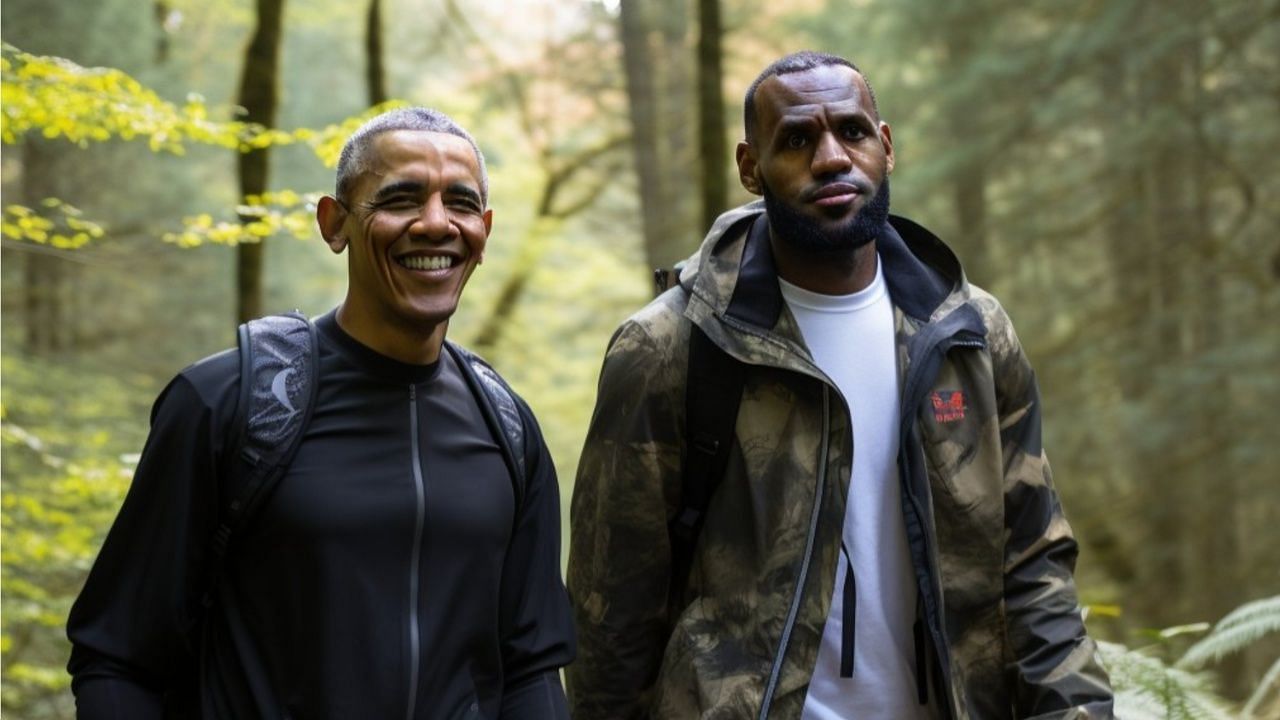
{"type": "Point", "coordinates": [734, 273]}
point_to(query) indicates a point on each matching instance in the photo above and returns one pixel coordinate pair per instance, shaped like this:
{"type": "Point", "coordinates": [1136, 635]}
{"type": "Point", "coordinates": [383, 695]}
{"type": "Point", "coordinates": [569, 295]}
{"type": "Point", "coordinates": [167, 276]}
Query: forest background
{"type": "Point", "coordinates": [1102, 166]}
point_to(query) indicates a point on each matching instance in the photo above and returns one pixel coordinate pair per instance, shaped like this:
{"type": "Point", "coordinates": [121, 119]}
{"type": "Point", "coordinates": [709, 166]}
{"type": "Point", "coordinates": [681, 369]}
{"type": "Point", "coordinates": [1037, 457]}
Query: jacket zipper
{"type": "Point", "coordinates": [415, 554]}
{"type": "Point", "coordinates": [808, 557]}
{"type": "Point", "coordinates": [961, 337]}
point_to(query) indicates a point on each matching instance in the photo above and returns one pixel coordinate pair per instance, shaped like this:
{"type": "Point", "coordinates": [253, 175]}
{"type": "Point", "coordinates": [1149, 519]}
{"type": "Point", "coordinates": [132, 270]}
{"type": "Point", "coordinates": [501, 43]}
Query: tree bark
{"type": "Point", "coordinates": [375, 71]}
{"type": "Point", "coordinates": [44, 314]}
{"type": "Point", "coordinates": [712, 138]}
{"type": "Point", "coordinates": [642, 108]}
{"type": "Point", "coordinates": [969, 180]}
{"type": "Point", "coordinates": [258, 90]}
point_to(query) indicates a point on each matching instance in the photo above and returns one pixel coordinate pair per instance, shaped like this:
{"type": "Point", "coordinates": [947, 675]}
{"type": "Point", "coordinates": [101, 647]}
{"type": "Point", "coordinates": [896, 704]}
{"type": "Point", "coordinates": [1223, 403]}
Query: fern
{"type": "Point", "coordinates": [1240, 628]}
{"type": "Point", "coordinates": [1147, 689]}
{"type": "Point", "coordinates": [1269, 680]}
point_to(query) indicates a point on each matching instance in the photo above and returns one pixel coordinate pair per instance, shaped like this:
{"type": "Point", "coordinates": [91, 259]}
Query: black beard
{"type": "Point", "coordinates": [804, 233]}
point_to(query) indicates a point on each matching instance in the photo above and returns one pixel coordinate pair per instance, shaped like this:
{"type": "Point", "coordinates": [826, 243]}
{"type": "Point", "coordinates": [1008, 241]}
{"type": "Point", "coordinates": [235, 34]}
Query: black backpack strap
{"type": "Point", "coordinates": [713, 393]}
{"type": "Point", "coordinates": [279, 361]}
{"type": "Point", "coordinates": [501, 412]}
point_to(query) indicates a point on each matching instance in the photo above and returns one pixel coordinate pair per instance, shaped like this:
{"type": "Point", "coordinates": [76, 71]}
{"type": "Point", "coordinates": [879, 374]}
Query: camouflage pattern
{"type": "Point", "coordinates": [989, 543]}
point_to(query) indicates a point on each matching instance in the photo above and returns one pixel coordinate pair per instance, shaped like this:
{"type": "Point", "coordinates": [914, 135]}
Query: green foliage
{"type": "Point", "coordinates": [1148, 689]}
{"type": "Point", "coordinates": [64, 227]}
{"type": "Point", "coordinates": [60, 99]}
{"type": "Point", "coordinates": [1242, 627]}
{"type": "Point", "coordinates": [260, 217]}
{"type": "Point", "coordinates": [66, 468]}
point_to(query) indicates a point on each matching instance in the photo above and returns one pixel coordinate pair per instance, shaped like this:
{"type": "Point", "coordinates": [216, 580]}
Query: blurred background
{"type": "Point", "coordinates": [1101, 166]}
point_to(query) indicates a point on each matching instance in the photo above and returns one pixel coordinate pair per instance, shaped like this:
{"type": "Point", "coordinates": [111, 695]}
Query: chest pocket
{"type": "Point", "coordinates": [960, 434]}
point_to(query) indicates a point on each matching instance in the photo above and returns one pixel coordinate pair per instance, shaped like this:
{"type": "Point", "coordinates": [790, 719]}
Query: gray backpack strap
{"type": "Point", "coordinates": [279, 361]}
{"type": "Point", "coordinates": [501, 411]}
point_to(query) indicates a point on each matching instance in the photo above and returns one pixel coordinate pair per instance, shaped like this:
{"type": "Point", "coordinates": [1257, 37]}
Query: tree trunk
{"type": "Point", "coordinates": [43, 275]}
{"type": "Point", "coordinates": [712, 139]}
{"type": "Point", "coordinates": [655, 203]}
{"type": "Point", "coordinates": [258, 87]}
{"type": "Point", "coordinates": [375, 71]}
{"type": "Point", "coordinates": [969, 180]}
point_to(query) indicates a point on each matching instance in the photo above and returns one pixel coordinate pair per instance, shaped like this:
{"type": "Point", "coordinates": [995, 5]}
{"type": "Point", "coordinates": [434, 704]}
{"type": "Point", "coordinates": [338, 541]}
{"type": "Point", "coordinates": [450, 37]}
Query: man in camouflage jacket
{"type": "Point", "coordinates": [999, 632]}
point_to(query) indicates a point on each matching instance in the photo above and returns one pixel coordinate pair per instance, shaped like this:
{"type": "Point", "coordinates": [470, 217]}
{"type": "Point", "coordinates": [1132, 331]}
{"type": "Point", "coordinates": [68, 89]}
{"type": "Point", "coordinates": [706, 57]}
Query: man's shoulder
{"type": "Point", "coordinates": [1001, 336]}
{"type": "Point", "coordinates": [467, 362]}
{"type": "Point", "coordinates": [214, 379]}
{"type": "Point", "coordinates": [659, 331]}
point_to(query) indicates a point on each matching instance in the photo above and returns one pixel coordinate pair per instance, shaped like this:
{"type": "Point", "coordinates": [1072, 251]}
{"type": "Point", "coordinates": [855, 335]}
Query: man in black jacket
{"type": "Point", "coordinates": [395, 571]}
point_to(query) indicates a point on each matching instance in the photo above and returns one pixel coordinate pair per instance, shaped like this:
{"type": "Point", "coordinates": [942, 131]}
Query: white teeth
{"type": "Point", "coordinates": [422, 262]}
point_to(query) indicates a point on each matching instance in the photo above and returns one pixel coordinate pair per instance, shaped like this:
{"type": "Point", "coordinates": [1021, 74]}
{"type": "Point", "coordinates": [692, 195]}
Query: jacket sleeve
{"type": "Point", "coordinates": [536, 625]}
{"type": "Point", "coordinates": [619, 558]}
{"type": "Point", "coordinates": [1054, 669]}
{"type": "Point", "coordinates": [133, 626]}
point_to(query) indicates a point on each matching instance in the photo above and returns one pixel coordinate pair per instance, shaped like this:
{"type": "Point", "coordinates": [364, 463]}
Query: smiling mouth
{"type": "Point", "coordinates": [426, 262]}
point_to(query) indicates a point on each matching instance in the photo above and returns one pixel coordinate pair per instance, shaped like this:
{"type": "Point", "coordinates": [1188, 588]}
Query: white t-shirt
{"type": "Point", "coordinates": [851, 338]}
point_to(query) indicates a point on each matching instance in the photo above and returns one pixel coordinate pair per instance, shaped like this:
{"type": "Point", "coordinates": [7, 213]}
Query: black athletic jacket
{"type": "Point", "coordinates": [391, 574]}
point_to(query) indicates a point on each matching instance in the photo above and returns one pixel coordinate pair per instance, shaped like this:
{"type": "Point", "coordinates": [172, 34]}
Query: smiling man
{"type": "Point", "coordinates": [813, 484]}
{"type": "Point", "coordinates": [401, 567]}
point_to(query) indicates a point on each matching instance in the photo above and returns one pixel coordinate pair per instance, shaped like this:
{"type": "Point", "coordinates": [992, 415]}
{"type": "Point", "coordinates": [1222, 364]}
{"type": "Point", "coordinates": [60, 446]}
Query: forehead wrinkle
{"type": "Point", "coordinates": [811, 86]}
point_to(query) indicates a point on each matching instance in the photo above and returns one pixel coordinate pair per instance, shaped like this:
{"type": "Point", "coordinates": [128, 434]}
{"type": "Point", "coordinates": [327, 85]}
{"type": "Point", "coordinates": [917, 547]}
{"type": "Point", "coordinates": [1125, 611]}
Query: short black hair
{"type": "Point", "coordinates": [794, 63]}
{"type": "Point", "coordinates": [354, 158]}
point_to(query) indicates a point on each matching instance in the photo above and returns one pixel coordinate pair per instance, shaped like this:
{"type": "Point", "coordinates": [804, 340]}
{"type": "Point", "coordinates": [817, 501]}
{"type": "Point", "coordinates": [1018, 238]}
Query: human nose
{"type": "Point", "coordinates": [433, 220]}
{"type": "Point", "coordinates": [829, 158]}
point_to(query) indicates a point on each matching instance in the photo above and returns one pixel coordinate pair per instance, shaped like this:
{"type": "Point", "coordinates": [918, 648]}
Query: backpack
{"type": "Point", "coordinates": [713, 393]}
{"type": "Point", "coordinates": [279, 368]}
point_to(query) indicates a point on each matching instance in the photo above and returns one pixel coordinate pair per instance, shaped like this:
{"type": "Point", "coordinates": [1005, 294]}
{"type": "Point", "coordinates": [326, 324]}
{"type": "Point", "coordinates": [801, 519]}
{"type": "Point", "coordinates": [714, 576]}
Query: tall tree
{"type": "Point", "coordinates": [642, 108]}
{"type": "Point", "coordinates": [712, 138]}
{"type": "Point", "coordinates": [375, 71]}
{"type": "Point", "coordinates": [44, 313]}
{"type": "Point", "coordinates": [259, 81]}
{"type": "Point", "coordinates": [656, 61]}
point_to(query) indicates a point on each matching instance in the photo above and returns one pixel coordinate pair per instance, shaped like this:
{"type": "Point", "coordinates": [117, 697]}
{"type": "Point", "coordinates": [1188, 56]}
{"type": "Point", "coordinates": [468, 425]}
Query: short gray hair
{"type": "Point", "coordinates": [354, 159]}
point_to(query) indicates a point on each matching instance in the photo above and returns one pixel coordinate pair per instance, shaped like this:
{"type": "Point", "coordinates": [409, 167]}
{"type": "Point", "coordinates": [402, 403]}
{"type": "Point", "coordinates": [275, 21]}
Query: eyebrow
{"type": "Point", "coordinates": [458, 188]}
{"type": "Point", "coordinates": [807, 122]}
{"type": "Point", "coordinates": [397, 188]}
{"type": "Point", "coordinates": [413, 187]}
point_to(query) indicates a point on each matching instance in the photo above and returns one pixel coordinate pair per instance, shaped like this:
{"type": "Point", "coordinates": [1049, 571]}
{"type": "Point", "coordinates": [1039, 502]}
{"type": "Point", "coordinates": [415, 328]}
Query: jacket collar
{"type": "Point", "coordinates": [734, 272]}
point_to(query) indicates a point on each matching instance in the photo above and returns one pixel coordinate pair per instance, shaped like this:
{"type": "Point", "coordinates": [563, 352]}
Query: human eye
{"type": "Point", "coordinates": [464, 203]}
{"type": "Point", "coordinates": [397, 203]}
{"type": "Point", "coordinates": [852, 131]}
{"type": "Point", "coordinates": [794, 140]}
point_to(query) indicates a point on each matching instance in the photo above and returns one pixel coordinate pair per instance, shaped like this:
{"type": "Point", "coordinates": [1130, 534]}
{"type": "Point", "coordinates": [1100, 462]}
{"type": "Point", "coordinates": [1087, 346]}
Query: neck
{"type": "Point", "coordinates": [834, 274]}
{"type": "Point", "coordinates": [408, 345]}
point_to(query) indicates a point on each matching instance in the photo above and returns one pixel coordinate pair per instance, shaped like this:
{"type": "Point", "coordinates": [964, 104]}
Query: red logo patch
{"type": "Point", "coordinates": [948, 407]}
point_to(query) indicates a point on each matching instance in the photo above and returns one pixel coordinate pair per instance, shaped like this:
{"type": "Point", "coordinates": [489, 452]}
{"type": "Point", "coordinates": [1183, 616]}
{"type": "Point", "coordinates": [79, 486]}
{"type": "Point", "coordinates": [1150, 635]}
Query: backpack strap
{"type": "Point", "coordinates": [501, 412]}
{"type": "Point", "coordinates": [279, 361]}
{"type": "Point", "coordinates": [713, 393]}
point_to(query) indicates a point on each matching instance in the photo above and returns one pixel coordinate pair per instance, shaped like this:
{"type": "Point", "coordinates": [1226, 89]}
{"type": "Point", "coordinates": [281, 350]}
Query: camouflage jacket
{"type": "Point", "coordinates": [1000, 630]}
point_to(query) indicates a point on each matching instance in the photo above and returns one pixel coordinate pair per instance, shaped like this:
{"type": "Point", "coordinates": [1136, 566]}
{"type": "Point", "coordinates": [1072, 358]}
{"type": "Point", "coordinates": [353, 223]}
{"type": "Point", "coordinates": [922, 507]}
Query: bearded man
{"type": "Point", "coordinates": [879, 535]}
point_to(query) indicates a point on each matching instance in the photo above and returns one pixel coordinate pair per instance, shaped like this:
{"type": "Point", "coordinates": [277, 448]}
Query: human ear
{"type": "Point", "coordinates": [886, 139]}
{"type": "Point", "coordinates": [747, 168]}
{"type": "Point", "coordinates": [488, 228]}
{"type": "Point", "coordinates": [331, 216]}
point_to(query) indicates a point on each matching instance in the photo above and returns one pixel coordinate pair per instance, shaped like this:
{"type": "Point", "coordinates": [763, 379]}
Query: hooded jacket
{"type": "Point", "coordinates": [999, 631]}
